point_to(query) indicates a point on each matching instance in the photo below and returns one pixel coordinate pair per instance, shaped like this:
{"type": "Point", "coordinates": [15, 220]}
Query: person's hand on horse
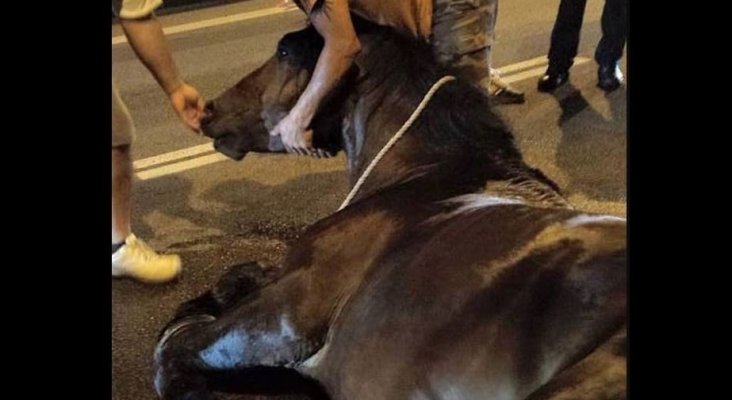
{"type": "Point", "coordinates": [296, 137]}
{"type": "Point", "coordinates": [188, 103]}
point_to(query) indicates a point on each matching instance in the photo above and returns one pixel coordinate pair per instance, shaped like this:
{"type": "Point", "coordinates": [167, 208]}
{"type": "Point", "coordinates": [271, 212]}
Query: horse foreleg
{"type": "Point", "coordinates": [241, 280]}
{"type": "Point", "coordinates": [237, 283]}
{"type": "Point", "coordinates": [274, 328]}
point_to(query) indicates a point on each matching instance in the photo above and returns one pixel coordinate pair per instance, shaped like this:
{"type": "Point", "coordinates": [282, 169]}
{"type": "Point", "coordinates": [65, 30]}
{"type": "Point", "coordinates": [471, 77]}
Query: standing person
{"type": "Point", "coordinates": [565, 41]}
{"type": "Point", "coordinates": [131, 256]}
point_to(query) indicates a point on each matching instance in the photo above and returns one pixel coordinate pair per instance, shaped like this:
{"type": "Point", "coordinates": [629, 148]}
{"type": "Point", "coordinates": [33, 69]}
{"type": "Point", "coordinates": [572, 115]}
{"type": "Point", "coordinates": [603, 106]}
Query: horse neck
{"type": "Point", "coordinates": [367, 130]}
{"type": "Point", "coordinates": [373, 119]}
{"type": "Point", "coordinates": [375, 111]}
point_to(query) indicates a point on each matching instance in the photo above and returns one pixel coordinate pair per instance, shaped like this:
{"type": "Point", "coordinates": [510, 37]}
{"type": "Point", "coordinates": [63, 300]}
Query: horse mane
{"type": "Point", "coordinates": [459, 125]}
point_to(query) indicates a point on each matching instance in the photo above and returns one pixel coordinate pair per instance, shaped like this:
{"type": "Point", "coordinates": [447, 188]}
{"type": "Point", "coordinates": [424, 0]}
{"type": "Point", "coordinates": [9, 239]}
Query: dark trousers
{"type": "Point", "coordinates": [566, 33]}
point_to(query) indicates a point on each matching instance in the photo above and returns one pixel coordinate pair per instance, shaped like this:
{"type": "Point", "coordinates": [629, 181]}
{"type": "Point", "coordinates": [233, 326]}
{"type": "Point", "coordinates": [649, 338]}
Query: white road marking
{"type": "Point", "coordinates": [172, 156]}
{"type": "Point", "coordinates": [181, 166]}
{"type": "Point", "coordinates": [534, 72]}
{"type": "Point", "coordinates": [229, 19]}
{"type": "Point", "coordinates": [533, 62]}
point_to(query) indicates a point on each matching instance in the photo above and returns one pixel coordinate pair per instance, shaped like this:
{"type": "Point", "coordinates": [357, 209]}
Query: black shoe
{"type": "Point", "coordinates": [550, 81]}
{"type": "Point", "coordinates": [609, 77]}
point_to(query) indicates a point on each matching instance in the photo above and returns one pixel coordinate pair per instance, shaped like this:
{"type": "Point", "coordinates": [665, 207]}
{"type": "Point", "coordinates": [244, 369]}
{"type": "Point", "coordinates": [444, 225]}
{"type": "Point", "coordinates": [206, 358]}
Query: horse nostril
{"type": "Point", "coordinates": [208, 112]}
{"type": "Point", "coordinates": [209, 107]}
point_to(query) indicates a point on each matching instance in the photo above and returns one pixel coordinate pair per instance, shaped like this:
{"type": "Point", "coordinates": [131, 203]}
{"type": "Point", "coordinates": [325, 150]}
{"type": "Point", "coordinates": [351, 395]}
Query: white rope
{"type": "Point", "coordinates": [395, 138]}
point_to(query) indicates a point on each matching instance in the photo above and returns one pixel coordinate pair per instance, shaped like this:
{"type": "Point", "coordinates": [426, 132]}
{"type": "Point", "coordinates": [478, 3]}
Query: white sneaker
{"type": "Point", "coordinates": [137, 260]}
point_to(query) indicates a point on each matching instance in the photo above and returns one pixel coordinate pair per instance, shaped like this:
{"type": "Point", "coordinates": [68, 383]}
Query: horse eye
{"type": "Point", "coordinates": [283, 52]}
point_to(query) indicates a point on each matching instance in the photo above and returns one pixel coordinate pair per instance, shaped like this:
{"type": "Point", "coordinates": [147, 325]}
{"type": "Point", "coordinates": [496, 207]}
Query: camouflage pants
{"type": "Point", "coordinates": [462, 35]}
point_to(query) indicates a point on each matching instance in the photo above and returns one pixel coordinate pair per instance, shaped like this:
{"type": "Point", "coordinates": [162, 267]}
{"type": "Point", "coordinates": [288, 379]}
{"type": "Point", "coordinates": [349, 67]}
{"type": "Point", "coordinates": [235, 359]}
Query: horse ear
{"type": "Point", "coordinates": [309, 6]}
{"type": "Point", "coordinates": [318, 6]}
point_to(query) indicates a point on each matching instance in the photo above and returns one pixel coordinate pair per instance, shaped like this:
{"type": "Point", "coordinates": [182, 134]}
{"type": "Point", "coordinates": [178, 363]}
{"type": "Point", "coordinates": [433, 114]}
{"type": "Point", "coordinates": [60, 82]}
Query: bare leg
{"type": "Point", "coordinates": [121, 193]}
{"type": "Point", "coordinates": [130, 255]}
{"type": "Point", "coordinates": [123, 134]}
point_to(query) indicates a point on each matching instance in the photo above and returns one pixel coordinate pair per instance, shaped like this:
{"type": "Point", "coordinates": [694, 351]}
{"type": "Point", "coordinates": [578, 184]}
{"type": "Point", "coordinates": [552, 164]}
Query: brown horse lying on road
{"type": "Point", "coordinates": [457, 272]}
